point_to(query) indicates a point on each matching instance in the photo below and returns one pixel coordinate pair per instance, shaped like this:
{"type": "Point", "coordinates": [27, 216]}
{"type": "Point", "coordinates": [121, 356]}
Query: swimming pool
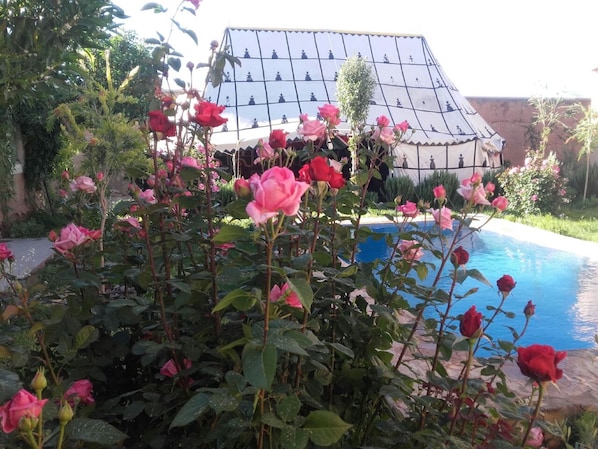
{"type": "Point", "coordinates": [562, 285]}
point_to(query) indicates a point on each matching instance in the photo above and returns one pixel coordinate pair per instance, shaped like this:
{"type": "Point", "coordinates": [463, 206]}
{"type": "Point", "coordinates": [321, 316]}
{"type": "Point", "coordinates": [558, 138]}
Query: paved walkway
{"type": "Point", "coordinates": [30, 255]}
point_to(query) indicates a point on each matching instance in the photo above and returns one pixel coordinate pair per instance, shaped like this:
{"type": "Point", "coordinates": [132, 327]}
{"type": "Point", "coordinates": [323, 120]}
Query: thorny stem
{"type": "Point", "coordinates": [541, 389]}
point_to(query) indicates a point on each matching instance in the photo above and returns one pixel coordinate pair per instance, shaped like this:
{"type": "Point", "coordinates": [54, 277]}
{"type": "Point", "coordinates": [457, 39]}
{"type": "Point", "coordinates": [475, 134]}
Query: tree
{"type": "Point", "coordinates": [586, 132]}
{"type": "Point", "coordinates": [40, 49]}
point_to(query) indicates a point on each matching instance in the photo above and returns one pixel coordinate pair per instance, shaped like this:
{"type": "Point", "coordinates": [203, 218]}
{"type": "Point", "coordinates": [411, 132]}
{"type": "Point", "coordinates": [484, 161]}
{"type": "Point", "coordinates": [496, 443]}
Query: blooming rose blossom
{"type": "Point", "coordinates": [529, 309]}
{"type": "Point", "coordinates": [5, 253]}
{"type": "Point", "coordinates": [473, 193]}
{"type": "Point", "coordinates": [147, 195]}
{"type": "Point", "coordinates": [275, 191]}
{"type": "Point", "coordinates": [411, 250]}
{"type": "Point", "coordinates": [385, 135]}
{"type": "Point", "coordinates": [471, 323]}
{"type": "Point", "coordinates": [290, 297]}
{"type": "Point", "coordinates": [189, 161]}
{"type": "Point", "coordinates": [402, 127]}
{"type": "Point", "coordinates": [439, 193]}
{"type": "Point", "coordinates": [443, 218]}
{"type": "Point", "coordinates": [21, 405]}
{"type": "Point", "coordinates": [536, 437]}
{"type": "Point", "coordinates": [460, 256]}
{"type": "Point", "coordinates": [81, 389]}
{"type": "Point", "coordinates": [500, 203]}
{"type": "Point", "coordinates": [539, 362]}
{"type": "Point", "coordinates": [129, 225]}
{"type": "Point", "coordinates": [169, 369]}
{"type": "Point", "coordinates": [409, 209]}
{"type": "Point", "coordinates": [321, 169]}
{"type": "Point", "coordinates": [312, 130]}
{"type": "Point", "coordinates": [208, 114]}
{"type": "Point", "coordinates": [382, 121]}
{"type": "Point", "coordinates": [278, 139]}
{"type": "Point", "coordinates": [160, 123]}
{"type": "Point", "coordinates": [331, 114]}
{"type": "Point", "coordinates": [506, 283]}
{"type": "Point", "coordinates": [83, 184]}
{"type": "Point", "coordinates": [70, 237]}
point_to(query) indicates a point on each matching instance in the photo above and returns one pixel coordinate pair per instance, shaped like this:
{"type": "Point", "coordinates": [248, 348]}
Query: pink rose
{"type": "Point", "coordinates": [129, 225]}
{"type": "Point", "coordinates": [100, 176]}
{"type": "Point", "coordinates": [189, 161]}
{"type": "Point", "coordinates": [312, 130]}
{"type": "Point", "coordinates": [5, 253]}
{"type": "Point", "coordinates": [278, 139]}
{"type": "Point", "coordinates": [70, 237]}
{"type": "Point", "coordinates": [382, 121]}
{"type": "Point", "coordinates": [500, 203]}
{"type": "Point", "coordinates": [290, 297]}
{"type": "Point", "coordinates": [170, 369]}
{"type": "Point", "coordinates": [147, 195]}
{"type": "Point", "coordinates": [385, 134]}
{"type": "Point", "coordinates": [439, 192]}
{"type": "Point", "coordinates": [331, 114]}
{"type": "Point", "coordinates": [242, 189]}
{"type": "Point", "coordinates": [411, 250]}
{"type": "Point", "coordinates": [81, 390]}
{"type": "Point", "coordinates": [408, 209]}
{"type": "Point", "coordinates": [443, 217]}
{"type": "Point", "coordinates": [83, 184]}
{"type": "Point", "coordinates": [536, 437]}
{"type": "Point", "coordinates": [474, 193]}
{"type": "Point", "coordinates": [275, 191]}
{"type": "Point", "coordinates": [402, 127]}
{"type": "Point", "coordinates": [264, 152]}
{"type": "Point", "coordinates": [21, 405]}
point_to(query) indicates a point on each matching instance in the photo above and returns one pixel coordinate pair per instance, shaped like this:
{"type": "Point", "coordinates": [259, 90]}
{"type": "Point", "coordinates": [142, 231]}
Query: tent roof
{"type": "Point", "coordinates": [285, 73]}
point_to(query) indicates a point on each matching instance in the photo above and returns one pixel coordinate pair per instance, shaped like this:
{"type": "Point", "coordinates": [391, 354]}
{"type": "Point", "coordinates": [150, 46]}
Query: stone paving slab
{"type": "Point", "coordinates": [30, 256]}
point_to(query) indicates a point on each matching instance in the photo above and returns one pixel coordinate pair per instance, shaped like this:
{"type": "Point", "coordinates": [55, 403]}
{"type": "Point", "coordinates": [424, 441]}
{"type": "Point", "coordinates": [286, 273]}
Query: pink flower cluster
{"type": "Point", "coordinates": [284, 293]}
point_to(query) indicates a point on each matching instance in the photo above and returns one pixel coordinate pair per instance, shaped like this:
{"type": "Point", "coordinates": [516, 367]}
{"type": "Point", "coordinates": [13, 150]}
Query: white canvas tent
{"type": "Point", "coordinates": [285, 73]}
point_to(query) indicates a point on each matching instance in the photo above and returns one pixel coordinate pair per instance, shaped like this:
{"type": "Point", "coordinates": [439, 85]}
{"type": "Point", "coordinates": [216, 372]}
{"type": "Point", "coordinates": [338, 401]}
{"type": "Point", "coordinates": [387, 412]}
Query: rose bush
{"type": "Point", "coordinates": [253, 323]}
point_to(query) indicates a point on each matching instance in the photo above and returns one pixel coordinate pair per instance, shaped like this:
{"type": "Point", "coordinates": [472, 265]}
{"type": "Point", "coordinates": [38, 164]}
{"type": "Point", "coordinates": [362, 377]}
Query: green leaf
{"type": "Point", "coordinates": [303, 290]}
{"type": "Point", "coordinates": [239, 298]}
{"type": "Point", "coordinates": [175, 63]}
{"type": "Point", "coordinates": [133, 410]}
{"type": "Point", "coordinates": [325, 428]}
{"type": "Point", "coordinates": [259, 365]}
{"type": "Point", "coordinates": [294, 438]}
{"type": "Point", "coordinates": [94, 431]}
{"type": "Point", "coordinates": [288, 408]}
{"type": "Point", "coordinates": [476, 274]}
{"type": "Point", "coordinates": [272, 420]}
{"type": "Point", "coordinates": [86, 336]}
{"type": "Point", "coordinates": [192, 409]}
{"type": "Point", "coordinates": [179, 82]}
{"type": "Point", "coordinates": [343, 349]}
{"type": "Point", "coordinates": [230, 233]}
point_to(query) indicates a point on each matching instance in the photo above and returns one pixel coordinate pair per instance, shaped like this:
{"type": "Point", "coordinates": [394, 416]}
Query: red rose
{"type": "Point", "coordinates": [159, 123]}
{"type": "Point", "coordinates": [336, 180]}
{"type": "Point", "coordinates": [278, 139]}
{"type": "Point", "coordinates": [208, 114]}
{"type": "Point", "coordinates": [538, 362]}
{"type": "Point", "coordinates": [304, 174]}
{"type": "Point", "coordinates": [319, 170]}
{"type": "Point", "coordinates": [471, 323]}
{"type": "Point", "coordinates": [459, 256]}
{"type": "Point", "coordinates": [529, 309]}
{"type": "Point", "coordinates": [506, 283]}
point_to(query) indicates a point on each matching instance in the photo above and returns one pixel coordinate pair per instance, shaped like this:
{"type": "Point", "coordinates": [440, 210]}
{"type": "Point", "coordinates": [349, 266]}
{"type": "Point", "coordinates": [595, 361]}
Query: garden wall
{"type": "Point", "coordinates": [512, 119]}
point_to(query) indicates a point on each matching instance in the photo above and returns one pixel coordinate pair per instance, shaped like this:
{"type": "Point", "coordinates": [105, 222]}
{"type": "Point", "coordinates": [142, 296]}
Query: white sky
{"type": "Point", "coordinates": [507, 48]}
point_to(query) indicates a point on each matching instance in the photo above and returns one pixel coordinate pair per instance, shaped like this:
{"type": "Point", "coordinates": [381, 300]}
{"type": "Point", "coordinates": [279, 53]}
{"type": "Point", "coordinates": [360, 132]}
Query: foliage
{"type": "Point", "coordinates": [585, 428]}
{"type": "Point", "coordinates": [401, 188]}
{"type": "Point", "coordinates": [355, 88]}
{"type": "Point", "coordinates": [535, 188]}
{"type": "Point", "coordinates": [450, 181]}
{"type": "Point", "coordinates": [253, 323]}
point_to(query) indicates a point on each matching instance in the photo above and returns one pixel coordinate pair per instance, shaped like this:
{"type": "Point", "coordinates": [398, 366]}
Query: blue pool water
{"type": "Point", "coordinates": [562, 285]}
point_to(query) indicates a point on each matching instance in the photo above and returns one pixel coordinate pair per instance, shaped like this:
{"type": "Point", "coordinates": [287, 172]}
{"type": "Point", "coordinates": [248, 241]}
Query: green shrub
{"type": "Point", "coordinates": [535, 188]}
{"type": "Point", "coordinates": [450, 181]}
{"type": "Point", "coordinates": [399, 186]}
{"type": "Point", "coordinates": [577, 179]}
